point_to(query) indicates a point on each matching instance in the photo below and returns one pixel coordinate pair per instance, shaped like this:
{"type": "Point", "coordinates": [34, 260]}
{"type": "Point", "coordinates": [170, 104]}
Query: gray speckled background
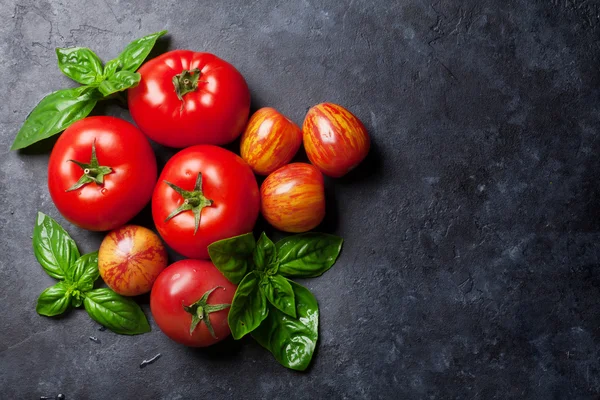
{"type": "Point", "coordinates": [471, 262]}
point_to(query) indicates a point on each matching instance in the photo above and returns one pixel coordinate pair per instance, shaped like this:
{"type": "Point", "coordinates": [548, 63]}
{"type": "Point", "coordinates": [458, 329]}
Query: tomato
{"type": "Point", "coordinates": [101, 173]}
{"type": "Point", "coordinates": [205, 193]}
{"type": "Point", "coordinates": [130, 259]}
{"type": "Point", "coordinates": [270, 141]}
{"type": "Point", "coordinates": [335, 140]}
{"type": "Point", "coordinates": [190, 302]}
{"type": "Point", "coordinates": [293, 198]}
{"type": "Point", "coordinates": [186, 98]}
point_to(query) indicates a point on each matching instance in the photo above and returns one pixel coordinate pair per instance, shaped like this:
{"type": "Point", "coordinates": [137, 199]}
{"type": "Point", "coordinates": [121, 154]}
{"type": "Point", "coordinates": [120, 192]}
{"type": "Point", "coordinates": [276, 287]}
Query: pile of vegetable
{"type": "Point", "coordinates": [205, 203]}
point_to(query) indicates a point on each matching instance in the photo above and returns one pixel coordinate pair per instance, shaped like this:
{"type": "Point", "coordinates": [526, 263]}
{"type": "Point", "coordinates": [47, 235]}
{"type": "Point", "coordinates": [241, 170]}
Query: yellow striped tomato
{"type": "Point", "coordinates": [130, 259]}
{"type": "Point", "coordinates": [293, 198]}
{"type": "Point", "coordinates": [335, 140]}
{"type": "Point", "coordinates": [270, 141]}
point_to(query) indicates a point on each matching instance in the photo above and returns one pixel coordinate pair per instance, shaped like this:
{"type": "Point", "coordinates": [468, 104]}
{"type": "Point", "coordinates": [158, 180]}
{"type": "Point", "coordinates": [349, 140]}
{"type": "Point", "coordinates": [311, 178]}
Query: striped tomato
{"type": "Point", "coordinates": [293, 198]}
{"type": "Point", "coordinates": [130, 259]}
{"type": "Point", "coordinates": [270, 141]}
{"type": "Point", "coordinates": [335, 140]}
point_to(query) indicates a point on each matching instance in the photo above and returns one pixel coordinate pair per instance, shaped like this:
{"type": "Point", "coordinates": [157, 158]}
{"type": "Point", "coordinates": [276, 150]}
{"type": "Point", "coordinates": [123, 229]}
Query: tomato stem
{"type": "Point", "coordinates": [192, 201]}
{"type": "Point", "coordinates": [200, 311]}
{"type": "Point", "coordinates": [185, 82]}
{"type": "Point", "coordinates": [92, 172]}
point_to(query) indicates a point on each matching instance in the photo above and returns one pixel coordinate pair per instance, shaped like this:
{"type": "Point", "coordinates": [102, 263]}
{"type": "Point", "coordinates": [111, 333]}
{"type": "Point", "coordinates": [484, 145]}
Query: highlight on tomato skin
{"type": "Point", "coordinates": [270, 141]}
{"type": "Point", "coordinates": [130, 259]}
{"type": "Point", "coordinates": [335, 140]}
{"type": "Point", "coordinates": [293, 198]}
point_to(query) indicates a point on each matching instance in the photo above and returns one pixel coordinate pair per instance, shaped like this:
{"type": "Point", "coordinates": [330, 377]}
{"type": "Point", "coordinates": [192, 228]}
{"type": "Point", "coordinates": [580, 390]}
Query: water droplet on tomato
{"type": "Point", "coordinates": [104, 191]}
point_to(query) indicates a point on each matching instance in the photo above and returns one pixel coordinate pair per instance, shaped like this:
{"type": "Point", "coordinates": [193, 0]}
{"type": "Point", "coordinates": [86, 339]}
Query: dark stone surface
{"type": "Point", "coordinates": [471, 261]}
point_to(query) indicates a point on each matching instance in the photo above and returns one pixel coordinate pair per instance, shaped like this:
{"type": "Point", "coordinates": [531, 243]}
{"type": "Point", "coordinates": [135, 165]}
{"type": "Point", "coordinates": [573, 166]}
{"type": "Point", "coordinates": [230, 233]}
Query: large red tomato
{"type": "Point", "coordinates": [190, 302]}
{"type": "Point", "coordinates": [186, 98]}
{"type": "Point", "coordinates": [101, 173]}
{"type": "Point", "coordinates": [204, 193]}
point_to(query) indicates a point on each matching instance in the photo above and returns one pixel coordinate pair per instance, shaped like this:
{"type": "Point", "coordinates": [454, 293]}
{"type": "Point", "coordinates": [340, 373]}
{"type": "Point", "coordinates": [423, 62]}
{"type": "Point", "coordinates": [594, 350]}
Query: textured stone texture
{"type": "Point", "coordinates": [471, 262]}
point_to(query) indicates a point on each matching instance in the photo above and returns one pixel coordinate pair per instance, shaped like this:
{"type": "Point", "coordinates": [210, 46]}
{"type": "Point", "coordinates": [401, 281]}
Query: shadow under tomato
{"type": "Point", "coordinates": [42, 147]}
{"type": "Point", "coordinates": [226, 349]}
{"type": "Point", "coordinates": [371, 168]}
{"type": "Point", "coordinates": [331, 220]}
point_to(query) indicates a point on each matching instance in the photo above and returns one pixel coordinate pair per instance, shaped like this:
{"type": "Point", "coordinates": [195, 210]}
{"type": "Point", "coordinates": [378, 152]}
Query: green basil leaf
{"type": "Point", "coordinates": [53, 247]}
{"type": "Point", "coordinates": [53, 301]}
{"type": "Point", "coordinates": [111, 67]}
{"type": "Point", "coordinates": [85, 272]}
{"type": "Point", "coordinates": [119, 81]}
{"type": "Point", "coordinates": [233, 256]}
{"type": "Point", "coordinates": [117, 313]}
{"type": "Point", "coordinates": [265, 254]}
{"type": "Point", "coordinates": [134, 54]}
{"type": "Point", "coordinates": [54, 114]}
{"type": "Point", "coordinates": [279, 292]}
{"type": "Point", "coordinates": [308, 254]}
{"type": "Point", "coordinates": [80, 64]}
{"type": "Point", "coordinates": [292, 340]}
{"type": "Point", "coordinates": [248, 307]}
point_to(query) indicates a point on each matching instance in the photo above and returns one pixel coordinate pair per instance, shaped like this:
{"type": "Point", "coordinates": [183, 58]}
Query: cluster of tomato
{"type": "Point", "coordinates": [103, 171]}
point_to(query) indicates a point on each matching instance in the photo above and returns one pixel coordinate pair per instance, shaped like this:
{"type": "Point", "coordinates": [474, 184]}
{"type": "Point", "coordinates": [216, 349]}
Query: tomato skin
{"type": "Point", "coordinates": [126, 190]}
{"type": "Point", "coordinates": [335, 140]}
{"type": "Point", "coordinates": [215, 113]}
{"type": "Point", "coordinates": [130, 259]}
{"type": "Point", "coordinates": [183, 283]}
{"type": "Point", "coordinates": [293, 198]}
{"type": "Point", "coordinates": [226, 180]}
{"type": "Point", "coordinates": [270, 141]}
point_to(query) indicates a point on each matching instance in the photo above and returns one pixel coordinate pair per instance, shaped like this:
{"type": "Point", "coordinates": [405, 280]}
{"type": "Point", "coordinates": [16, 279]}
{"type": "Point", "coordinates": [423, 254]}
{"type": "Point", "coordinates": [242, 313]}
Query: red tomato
{"type": "Point", "coordinates": [186, 98]}
{"type": "Point", "coordinates": [101, 173]}
{"type": "Point", "coordinates": [191, 213]}
{"type": "Point", "coordinates": [293, 198]}
{"type": "Point", "coordinates": [130, 258]}
{"type": "Point", "coordinates": [270, 141]}
{"type": "Point", "coordinates": [191, 288]}
{"type": "Point", "coordinates": [335, 140]}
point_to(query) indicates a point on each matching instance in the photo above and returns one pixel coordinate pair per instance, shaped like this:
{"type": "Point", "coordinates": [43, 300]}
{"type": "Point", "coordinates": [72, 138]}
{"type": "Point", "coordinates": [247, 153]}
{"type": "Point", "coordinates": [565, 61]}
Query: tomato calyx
{"type": "Point", "coordinates": [201, 311]}
{"type": "Point", "coordinates": [92, 172]}
{"type": "Point", "coordinates": [192, 200]}
{"type": "Point", "coordinates": [186, 81]}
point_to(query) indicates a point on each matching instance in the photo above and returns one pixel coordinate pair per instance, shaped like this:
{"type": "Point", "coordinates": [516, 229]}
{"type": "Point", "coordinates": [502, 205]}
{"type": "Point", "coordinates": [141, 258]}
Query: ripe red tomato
{"type": "Point", "coordinates": [186, 98]}
{"type": "Point", "coordinates": [101, 173]}
{"type": "Point", "coordinates": [293, 198]}
{"type": "Point", "coordinates": [335, 140]}
{"type": "Point", "coordinates": [130, 258]}
{"type": "Point", "coordinates": [191, 298]}
{"type": "Point", "coordinates": [204, 193]}
{"type": "Point", "coordinates": [270, 141]}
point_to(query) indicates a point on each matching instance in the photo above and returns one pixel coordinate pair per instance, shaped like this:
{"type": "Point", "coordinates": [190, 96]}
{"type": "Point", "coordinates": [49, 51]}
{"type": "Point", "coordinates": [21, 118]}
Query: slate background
{"type": "Point", "coordinates": [471, 259]}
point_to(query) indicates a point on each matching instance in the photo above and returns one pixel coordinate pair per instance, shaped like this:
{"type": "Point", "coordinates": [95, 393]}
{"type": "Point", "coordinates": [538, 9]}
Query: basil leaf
{"type": "Point", "coordinates": [292, 340]}
{"type": "Point", "coordinates": [248, 307]}
{"type": "Point", "coordinates": [280, 294]}
{"type": "Point", "coordinates": [55, 113]}
{"type": "Point", "coordinates": [265, 254]}
{"type": "Point", "coordinates": [53, 301]}
{"type": "Point", "coordinates": [233, 256]}
{"type": "Point", "coordinates": [117, 313]}
{"type": "Point", "coordinates": [111, 67]}
{"type": "Point", "coordinates": [308, 255]}
{"type": "Point", "coordinates": [85, 272]}
{"type": "Point", "coordinates": [134, 54]}
{"type": "Point", "coordinates": [53, 247]}
{"type": "Point", "coordinates": [119, 81]}
{"type": "Point", "coordinates": [80, 64]}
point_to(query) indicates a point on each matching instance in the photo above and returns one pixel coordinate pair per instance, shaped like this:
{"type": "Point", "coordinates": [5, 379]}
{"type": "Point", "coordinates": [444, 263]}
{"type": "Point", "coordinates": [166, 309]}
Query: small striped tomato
{"type": "Point", "coordinates": [335, 140]}
{"type": "Point", "coordinates": [270, 141]}
{"type": "Point", "coordinates": [130, 259]}
{"type": "Point", "coordinates": [293, 198]}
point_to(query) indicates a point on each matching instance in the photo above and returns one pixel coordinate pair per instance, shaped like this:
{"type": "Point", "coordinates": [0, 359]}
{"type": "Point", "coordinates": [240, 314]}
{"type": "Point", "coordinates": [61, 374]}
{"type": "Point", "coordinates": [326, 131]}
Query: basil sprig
{"type": "Point", "coordinates": [58, 255]}
{"type": "Point", "coordinates": [60, 109]}
{"type": "Point", "coordinates": [280, 314]}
